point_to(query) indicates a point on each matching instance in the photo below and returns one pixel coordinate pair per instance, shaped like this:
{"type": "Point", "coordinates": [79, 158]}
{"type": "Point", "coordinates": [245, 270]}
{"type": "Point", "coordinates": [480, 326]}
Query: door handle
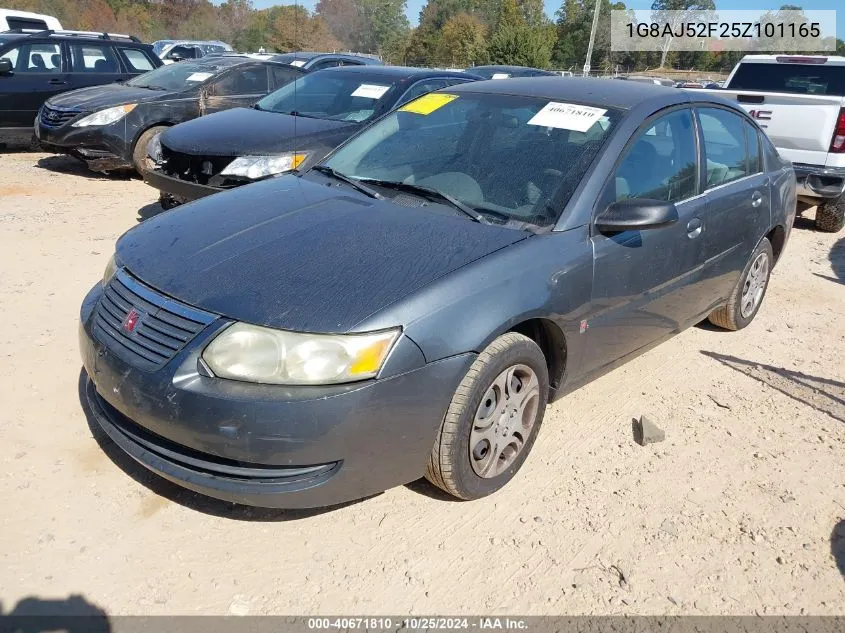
{"type": "Point", "coordinates": [756, 199]}
{"type": "Point", "coordinates": [694, 228]}
{"type": "Point", "coordinates": [57, 82]}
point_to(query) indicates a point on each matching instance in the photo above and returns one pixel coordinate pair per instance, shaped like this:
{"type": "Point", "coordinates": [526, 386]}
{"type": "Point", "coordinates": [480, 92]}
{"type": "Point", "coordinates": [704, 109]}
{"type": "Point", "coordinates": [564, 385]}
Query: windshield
{"type": "Point", "coordinates": [176, 76]}
{"type": "Point", "coordinates": [810, 79]}
{"type": "Point", "coordinates": [512, 158]}
{"type": "Point", "coordinates": [331, 95]}
{"type": "Point", "coordinates": [159, 45]}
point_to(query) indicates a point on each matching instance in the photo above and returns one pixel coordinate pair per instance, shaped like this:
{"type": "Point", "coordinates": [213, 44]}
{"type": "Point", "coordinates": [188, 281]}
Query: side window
{"type": "Point", "coordinates": [661, 163]}
{"type": "Point", "coordinates": [136, 60]}
{"type": "Point", "coordinates": [251, 80]}
{"type": "Point", "coordinates": [282, 76]}
{"type": "Point", "coordinates": [183, 52]}
{"type": "Point", "coordinates": [35, 58]}
{"type": "Point", "coordinates": [773, 160]}
{"type": "Point", "coordinates": [93, 58]}
{"type": "Point", "coordinates": [724, 146]}
{"type": "Point", "coordinates": [328, 63]}
{"type": "Point", "coordinates": [421, 88]}
{"type": "Point", "coordinates": [752, 139]}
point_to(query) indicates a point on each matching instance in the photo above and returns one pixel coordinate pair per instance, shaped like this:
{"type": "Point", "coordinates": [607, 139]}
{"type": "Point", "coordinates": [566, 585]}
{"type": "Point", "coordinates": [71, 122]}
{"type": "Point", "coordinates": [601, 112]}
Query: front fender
{"type": "Point", "coordinates": [545, 276]}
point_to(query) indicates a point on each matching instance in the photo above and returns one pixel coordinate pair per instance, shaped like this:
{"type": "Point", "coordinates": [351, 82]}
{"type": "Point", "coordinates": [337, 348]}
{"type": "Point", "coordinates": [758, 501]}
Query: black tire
{"type": "Point", "coordinates": [167, 202]}
{"type": "Point", "coordinates": [139, 153]}
{"type": "Point", "coordinates": [830, 216]}
{"type": "Point", "coordinates": [730, 315]}
{"type": "Point", "coordinates": [450, 466]}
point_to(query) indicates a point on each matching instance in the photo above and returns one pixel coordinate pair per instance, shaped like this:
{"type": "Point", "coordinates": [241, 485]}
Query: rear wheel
{"type": "Point", "coordinates": [493, 419]}
{"type": "Point", "coordinates": [830, 216]}
{"type": "Point", "coordinates": [747, 296]}
{"type": "Point", "coordinates": [140, 161]}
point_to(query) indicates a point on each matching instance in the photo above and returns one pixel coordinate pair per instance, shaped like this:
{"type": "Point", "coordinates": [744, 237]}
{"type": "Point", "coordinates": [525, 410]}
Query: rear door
{"type": "Point", "coordinates": [241, 86]}
{"type": "Point", "coordinates": [94, 64]}
{"type": "Point", "coordinates": [796, 103]}
{"type": "Point", "coordinates": [646, 283]}
{"type": "Point", "coordinates": [38, 74]}
{"type": "Point", "coordinates": [738, 197]}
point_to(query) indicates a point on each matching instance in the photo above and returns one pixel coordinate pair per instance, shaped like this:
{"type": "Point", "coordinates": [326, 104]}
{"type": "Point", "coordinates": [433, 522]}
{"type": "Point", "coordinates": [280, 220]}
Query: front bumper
{"type": "Point", "coordinates": [104, 148]}
{"type": "Point", "coordinates": [181, 190]}
{"type": "Point", "coordinates": [820, 182]}
{"type": "Point", "coordinates": [265, 445]}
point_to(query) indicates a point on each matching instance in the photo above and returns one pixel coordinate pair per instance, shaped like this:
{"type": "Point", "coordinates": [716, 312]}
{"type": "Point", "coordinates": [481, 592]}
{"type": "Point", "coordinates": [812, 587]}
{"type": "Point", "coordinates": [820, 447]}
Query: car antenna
{"type": "Point", "coordinates": [295, 81]}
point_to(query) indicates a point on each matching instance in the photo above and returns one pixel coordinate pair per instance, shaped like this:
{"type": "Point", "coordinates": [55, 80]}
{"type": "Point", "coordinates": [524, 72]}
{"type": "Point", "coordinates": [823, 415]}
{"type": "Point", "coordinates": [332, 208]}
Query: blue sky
{"type": "Point", "coordinates": [414, 7]}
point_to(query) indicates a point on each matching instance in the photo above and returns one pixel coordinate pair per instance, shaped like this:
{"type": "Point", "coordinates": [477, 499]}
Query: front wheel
{"type": "Point", "coordinates": [747, 296]}
{"type": "Point", "coordinates": [140, 160]}
{"type": "Point", "coordinates": [493, 419]}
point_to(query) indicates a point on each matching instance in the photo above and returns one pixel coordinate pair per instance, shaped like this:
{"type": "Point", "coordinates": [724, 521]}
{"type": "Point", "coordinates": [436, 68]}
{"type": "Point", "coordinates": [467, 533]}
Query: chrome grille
{"type": "Point", "coordinates": [158, 329]}
{"type": "Point", "coordinates": [55, 117]}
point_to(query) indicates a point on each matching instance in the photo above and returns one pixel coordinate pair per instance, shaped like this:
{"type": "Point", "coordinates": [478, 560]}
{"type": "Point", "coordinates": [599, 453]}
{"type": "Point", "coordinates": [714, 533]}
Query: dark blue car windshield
{"type": "Point", "coordinates": [513, 157]}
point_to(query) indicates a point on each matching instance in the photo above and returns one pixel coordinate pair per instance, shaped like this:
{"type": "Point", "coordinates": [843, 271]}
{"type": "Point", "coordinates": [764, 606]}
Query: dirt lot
{"type": "Point", "coordinates": [739, 511]}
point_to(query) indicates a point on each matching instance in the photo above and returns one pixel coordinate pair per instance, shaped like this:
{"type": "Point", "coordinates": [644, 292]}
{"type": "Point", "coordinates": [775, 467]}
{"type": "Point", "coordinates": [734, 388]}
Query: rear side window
{"type": "Point", "coordinates": [724, 146]}
{"type": "Point", "coordinates": [328, 63]}
{"type": "Point", "coordinates": [93, 58]}
{"type": "Point", "coordinates": [251, 80]}
{"type": "Point", "coordinates": [772, 158]}
{"type": "Point", "coordinates": [811, 79]}
{"type": "Point", "coordinates": [136, 60]}
{"type": "Point", "coordinates": [420, 88]}
{"type": "Point", "coordinates": [35, 58]}
{"type": "Point", "coordinates": [661, 163]}
{"type": "Point", "coordinates": [752, 138]}
{"type": "Point", "coordinates": [282, 76]}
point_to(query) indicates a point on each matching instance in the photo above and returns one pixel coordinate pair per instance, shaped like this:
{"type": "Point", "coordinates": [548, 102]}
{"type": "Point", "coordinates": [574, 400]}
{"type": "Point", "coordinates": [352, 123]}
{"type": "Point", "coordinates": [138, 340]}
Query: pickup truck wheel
{"type": "Point", "coordinates": [830, 216]}
{"type": "Point", "coordinates": [139, 154]}
{"type": "Point", "coordinates": [747, 295]}
{"type": "Point", "coordinates": [493, 419]}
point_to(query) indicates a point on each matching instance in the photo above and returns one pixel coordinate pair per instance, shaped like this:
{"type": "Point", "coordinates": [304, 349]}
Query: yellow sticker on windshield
{"type": "Point", "coordinates": [428, 103]}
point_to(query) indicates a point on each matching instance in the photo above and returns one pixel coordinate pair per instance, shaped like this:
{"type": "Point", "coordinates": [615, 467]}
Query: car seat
{"type": "Point", "coordinates": [56, 61]}
{"type": "Point", "coordinates": [103, 66]}
{"type": "Point", "coordinates": [37, 62]}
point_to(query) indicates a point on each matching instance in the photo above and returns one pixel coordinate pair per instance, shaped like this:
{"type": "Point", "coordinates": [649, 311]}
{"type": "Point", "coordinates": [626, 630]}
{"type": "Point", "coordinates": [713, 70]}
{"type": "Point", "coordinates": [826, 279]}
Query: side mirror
{"type": "Point", "coordinates": [5, 66]}
{"type": "Point", "coordinates": [636, 214]}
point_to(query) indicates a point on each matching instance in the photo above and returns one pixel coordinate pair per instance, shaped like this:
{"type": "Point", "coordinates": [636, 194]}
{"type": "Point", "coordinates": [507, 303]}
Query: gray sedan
{"type": "Point", "coordinates": [412, 304]}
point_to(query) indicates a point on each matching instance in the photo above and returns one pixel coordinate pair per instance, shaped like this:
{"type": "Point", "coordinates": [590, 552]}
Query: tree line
{"type": "Point", "coordinates": [453, 33]}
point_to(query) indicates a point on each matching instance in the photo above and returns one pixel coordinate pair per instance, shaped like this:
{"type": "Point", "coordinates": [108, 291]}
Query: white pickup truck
{"type": "Point", "coordinates": [800, 102]}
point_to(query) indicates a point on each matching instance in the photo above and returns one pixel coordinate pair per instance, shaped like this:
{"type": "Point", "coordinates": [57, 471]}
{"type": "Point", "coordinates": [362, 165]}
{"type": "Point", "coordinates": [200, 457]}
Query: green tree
{"type": "Point", "coordinates": [516, 42]}
{"type": "Point", "coordinates": [463, 42]}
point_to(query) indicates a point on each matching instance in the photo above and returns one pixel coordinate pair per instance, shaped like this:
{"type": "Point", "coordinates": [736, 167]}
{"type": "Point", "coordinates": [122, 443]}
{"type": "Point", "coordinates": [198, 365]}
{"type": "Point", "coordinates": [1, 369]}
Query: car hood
{"type": "Point", "coordinates": [296, 254]}
{"type": "Point", "coordinates": [100, 97]}
{"type": "Point", "coordinates": [245, 131]}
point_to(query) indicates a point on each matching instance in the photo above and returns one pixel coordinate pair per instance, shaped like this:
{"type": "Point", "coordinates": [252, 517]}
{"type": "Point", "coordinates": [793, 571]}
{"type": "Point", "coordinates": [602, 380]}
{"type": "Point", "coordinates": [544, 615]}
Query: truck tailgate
{"type": "Point", "coordinates": [800, 126]}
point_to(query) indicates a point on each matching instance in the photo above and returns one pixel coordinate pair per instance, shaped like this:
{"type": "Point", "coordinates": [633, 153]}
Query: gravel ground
{"type": "Point", "coordinates": [739, 511]}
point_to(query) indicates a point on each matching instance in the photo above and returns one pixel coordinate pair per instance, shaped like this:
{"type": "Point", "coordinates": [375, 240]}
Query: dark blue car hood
{"type": "Point", "coordinates": [296, 254]}
{"type": "Point", "coordinates": [246, 131]}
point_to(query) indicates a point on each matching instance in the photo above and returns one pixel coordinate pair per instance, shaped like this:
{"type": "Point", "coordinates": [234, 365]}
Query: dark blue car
{"type": "Point", "coordinates": [411, 304]}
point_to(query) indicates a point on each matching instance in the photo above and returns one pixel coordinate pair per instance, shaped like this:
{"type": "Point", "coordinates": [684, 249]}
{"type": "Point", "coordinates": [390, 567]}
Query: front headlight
{"type": "Point", "coordinates": [254, 167]}
{"type": "Point", "coordinates": [265, 355]}
{"type": "Point", "coordinates": [107, 116]}
{"type": "Point", "coordinates": [111, 270]}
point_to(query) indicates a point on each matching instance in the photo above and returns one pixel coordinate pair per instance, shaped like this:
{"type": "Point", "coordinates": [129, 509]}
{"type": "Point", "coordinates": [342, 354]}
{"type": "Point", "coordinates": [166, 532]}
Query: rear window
{"type": "Point", "coordinates": [25, 23]}
{"type": "Point", "coordinates": [810, 79]}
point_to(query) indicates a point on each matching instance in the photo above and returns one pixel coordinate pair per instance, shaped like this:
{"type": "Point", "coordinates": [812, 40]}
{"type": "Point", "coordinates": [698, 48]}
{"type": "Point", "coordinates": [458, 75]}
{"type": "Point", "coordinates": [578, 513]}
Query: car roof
{"type": "Point", "coordinates": [395, 72]}
{"type": "Point", "coordinates": [505, 68]}
{"type": "Point", "coordinates": [600, 92]}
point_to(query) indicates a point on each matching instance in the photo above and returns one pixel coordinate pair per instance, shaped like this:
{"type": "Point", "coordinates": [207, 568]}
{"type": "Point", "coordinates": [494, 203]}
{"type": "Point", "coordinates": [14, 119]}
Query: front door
{"type": "Point", "coordinates": [37, 74]}
{"type": "Point", "coordinates": [645, 283]}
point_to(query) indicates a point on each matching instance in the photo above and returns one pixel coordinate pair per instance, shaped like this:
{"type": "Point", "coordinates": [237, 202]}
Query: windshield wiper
{"type": "Point", "coordinates": [325, 169]}
{"type": "Point", "coordinates": [428, 192]}
{"type": "Point", "coordinates": [155, 87]}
